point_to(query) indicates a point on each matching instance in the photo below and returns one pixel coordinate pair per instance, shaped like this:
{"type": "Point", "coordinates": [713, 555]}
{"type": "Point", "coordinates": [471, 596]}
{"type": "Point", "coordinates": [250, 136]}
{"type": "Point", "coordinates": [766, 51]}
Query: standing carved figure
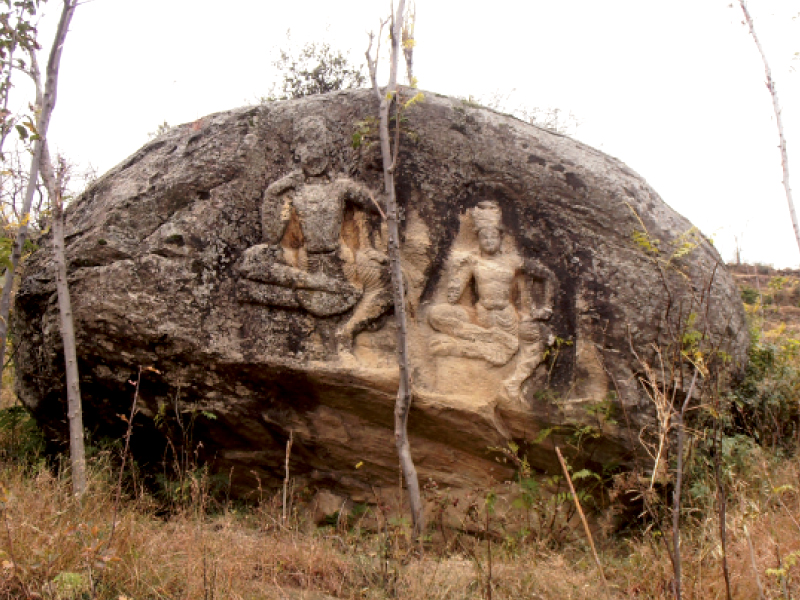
{"type": "Point", "coordinates": [504, 320]}
{"type": "Point", "coordinates": [317, 254]}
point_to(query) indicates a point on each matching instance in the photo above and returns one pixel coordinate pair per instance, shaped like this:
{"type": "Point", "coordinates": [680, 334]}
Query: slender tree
{"type": "Point", "coordinates": [770, 82]}
{"type": "Point", "coordinates": [46, 104]}
{"type": "Point", "coordinates": [403, 401]}
{"type": "Point", "coordinates": [55, 183]}
{"type": "Point", "coordinates": [676, 493]}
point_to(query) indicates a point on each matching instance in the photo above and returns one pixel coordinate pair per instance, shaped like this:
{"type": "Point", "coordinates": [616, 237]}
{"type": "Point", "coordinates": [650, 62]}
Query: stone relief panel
{"type": "Point", "coordinates": [319, 253]}
{"type": "Point", "coordinates": [492, 309]}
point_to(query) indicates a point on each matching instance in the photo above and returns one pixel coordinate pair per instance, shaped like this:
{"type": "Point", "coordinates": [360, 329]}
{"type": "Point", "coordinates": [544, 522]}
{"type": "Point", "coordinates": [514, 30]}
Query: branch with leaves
{"type": "Point", "coordinates": [47, 102]}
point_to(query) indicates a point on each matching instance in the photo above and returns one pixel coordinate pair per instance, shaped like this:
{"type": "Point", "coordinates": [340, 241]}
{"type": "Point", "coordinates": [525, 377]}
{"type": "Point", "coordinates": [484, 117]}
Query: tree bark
{"type": "Point", "coordinates": [676, 494]}
{"type": "Point", "coordinates": [77, 454]}
{"type": "Point", "coordinates": [47, 102]}
{"type": "Point", "coordinates": [778, 120]}
{"type": "Point", "coordinates": [403, 401]}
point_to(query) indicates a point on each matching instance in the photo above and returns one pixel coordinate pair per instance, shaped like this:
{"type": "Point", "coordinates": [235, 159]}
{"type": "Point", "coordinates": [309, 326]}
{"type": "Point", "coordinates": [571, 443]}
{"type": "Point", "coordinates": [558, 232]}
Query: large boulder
{"type": "Point", "coordinates": [242, 258]}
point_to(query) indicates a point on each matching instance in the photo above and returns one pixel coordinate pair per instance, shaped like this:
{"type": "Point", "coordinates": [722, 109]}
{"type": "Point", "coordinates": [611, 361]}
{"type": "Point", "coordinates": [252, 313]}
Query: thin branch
{"type": "Point", "coordinates": [376, 203]}
{"type": "Point", "coordinates": [403, 401]}
{"type": "Point", "coordinates": [753, 563]}
{"type": "Point", "coordinates": [676, 494]}
{"type": "Point", "coordinates": [583, 520]}
{"type": "Point", "coordinates": [286, 477]}
{"type": "Point", "coordinates": [372, 64]}
{"type": "Point", "coordinates": [770, 83]}
{"type": "Point", "coordinates": [128, 434]}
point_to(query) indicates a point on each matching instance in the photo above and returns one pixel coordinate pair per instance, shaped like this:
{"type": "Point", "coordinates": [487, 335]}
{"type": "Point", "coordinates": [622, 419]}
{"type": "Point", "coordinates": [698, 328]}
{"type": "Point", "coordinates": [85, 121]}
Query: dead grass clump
{"type": "Point", "coordinates": [53, 547]}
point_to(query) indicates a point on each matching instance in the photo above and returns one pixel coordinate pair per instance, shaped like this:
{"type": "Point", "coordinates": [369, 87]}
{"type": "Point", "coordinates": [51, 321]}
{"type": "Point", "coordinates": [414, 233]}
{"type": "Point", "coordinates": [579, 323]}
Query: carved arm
{"type": "Point", "coordinates": [359, 194]}
{"type": "Point", "coordinates": [276, 213]}
{"type": "Point", "coordinates": [462, 275]}
{"type": "Point", "coordinates": [285, 183]}
{"type": "Point", "coordinates": [537, 270]}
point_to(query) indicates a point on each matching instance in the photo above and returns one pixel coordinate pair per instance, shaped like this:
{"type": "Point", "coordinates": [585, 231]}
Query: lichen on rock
{"type": "Point", "coordinates": [243, 256]}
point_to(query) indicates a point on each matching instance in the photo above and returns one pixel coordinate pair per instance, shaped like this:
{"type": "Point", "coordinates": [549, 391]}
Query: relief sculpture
{"type": "Point", "coordinates": [318, 253]}
{"type": "Point", "coordinates": [491, 313]}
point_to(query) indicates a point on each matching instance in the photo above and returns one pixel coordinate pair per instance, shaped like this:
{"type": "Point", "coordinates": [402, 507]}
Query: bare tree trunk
{"type": "Point", "coordinates": [403, 402]}
{"type": "Point", "coordinates": [721, 504]}
{"type": "Point", "coordinates": [676, 494]}
{"type": "Point", "coordinates": [778, 120]}
{"type": "Point", "coordinates": [47, 103]}
{"type": "Point", "coordinates": [55, 189]}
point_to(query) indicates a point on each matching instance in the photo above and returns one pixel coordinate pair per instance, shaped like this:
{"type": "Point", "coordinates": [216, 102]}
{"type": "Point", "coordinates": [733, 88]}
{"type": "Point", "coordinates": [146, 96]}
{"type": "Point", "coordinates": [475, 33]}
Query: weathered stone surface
{"type": "Point", "coordinates": [242, 256]}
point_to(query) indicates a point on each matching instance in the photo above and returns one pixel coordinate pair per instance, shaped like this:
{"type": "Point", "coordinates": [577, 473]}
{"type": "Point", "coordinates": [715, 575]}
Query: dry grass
{"type": "Point", "coordinates": [54, 547]}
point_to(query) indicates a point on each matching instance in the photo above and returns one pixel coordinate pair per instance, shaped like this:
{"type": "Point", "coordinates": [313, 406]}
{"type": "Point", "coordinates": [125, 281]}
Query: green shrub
{"type": "Point", "coordinates": [749, 295]}
{"type": "Point", "coordinates": [21, 440]}
{"type": "Point", "coordinates": [766, 403]}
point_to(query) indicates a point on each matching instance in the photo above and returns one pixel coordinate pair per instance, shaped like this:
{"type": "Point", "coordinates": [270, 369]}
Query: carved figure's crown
{"type": "Point", "coordinates": [487, 214]}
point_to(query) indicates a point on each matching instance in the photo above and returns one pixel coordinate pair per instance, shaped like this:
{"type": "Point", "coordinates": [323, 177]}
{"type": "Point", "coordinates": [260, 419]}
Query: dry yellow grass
{"type": "Point", "coordinates": [54, 547]}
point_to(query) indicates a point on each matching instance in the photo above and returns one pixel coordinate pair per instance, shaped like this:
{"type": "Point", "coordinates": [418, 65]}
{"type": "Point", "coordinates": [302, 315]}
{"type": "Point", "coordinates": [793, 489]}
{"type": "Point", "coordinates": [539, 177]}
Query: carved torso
{"type": "Point", "coordinates": [494, 278]}
{"type": "Point", "coordinates": [319, 209]}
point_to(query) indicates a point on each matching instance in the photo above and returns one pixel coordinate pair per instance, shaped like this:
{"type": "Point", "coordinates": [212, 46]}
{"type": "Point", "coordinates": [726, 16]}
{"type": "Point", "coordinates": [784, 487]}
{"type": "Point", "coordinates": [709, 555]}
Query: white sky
{"type": "Point", "coordinates": [674, 89]}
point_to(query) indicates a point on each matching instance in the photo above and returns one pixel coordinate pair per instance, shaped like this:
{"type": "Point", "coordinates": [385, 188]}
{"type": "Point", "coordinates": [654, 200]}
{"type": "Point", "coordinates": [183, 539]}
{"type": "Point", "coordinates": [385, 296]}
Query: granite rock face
{"type": "Point", "coordinates": [243, 258]}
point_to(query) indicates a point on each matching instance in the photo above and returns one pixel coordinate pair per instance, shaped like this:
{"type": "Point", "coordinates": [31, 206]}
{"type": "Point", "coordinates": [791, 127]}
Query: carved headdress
{"type": "Point", "coordinates": [311, 129]}
{"type": "Point", "coordinates": [487, 214]}
{"type": "Point", "coordinates": [311, 144]}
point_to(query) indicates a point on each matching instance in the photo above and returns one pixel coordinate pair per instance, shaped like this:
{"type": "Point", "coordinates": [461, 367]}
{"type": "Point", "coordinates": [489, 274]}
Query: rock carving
{"type": "Point", "coordinates": [504, 320]}
{"type": "Point", "coordinates": [317, 254]}
{"type": "Point", "coordinates": [169, 267]}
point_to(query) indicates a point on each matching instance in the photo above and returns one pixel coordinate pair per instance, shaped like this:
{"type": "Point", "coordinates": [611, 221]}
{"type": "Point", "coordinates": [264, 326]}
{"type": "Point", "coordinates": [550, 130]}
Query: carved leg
{"type": "Point", "coordinates": [371, 307]}
{"type": "Point", "coordinates": [448, 319]}
{"type": "Point", "coordinates": [462, 338]}
{"type": "Point", "coordinates": [495, 347]}
{"type": "Point", "coordinates": [531, 354]}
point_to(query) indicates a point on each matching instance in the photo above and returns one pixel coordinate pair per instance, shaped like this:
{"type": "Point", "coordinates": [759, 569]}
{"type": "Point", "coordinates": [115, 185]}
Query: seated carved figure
{"type": "Point", "coordinates": [503, 322]}
{"type": "Point", "coordinates": [304, 261]}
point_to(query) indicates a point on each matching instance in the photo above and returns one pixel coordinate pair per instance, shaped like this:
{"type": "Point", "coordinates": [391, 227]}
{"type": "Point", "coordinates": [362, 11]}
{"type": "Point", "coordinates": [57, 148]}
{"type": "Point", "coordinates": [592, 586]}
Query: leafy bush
{"type": "Point", "coordinates": [316, 68]}
{"type": "Point", "coordinates": [749, 295]}
{"type": "Point", "coordinates": [21, 440]}
{"type": "Point", "coordinates": [766, 403]}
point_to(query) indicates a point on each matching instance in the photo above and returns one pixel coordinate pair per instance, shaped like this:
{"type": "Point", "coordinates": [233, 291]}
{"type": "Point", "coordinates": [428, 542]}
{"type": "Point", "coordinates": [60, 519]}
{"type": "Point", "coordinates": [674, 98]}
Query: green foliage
{"type": "Point", "coordinates": [316, 68]}
{"type": "Point", "coordinates": [553, 352]}
{"type": "Point", "coordinates": [789, 561]}
{"type": "Point", "coordinates": [691, 337]}
{"type": "Point", "coordinates": [365, 133]}
{"type": "Point", "coordinates": [777, 283]}
{"type": "Point", "coordinates": [70, 585]}
{"type": "Point", "coordinates": [605, 411]}
{"type": "Point", "coordinates": [749, 295]}
{"type": "Point", "coordinates": [21, 440]}
{"type": "Point", "coordinates": [648, 244]}
{"type": "Point", "coordinates": [184, 477]}
{"type": "Point", "coordinates": [669, 255]}
{"type": "Point", "coordinates": [17, 40]}
{"type": "Point", "coordinates": [7, 247]}
{"type": "Point", "coordinates": [685, 243]}
{"type": "Point", "coordinates": [766, 402]}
